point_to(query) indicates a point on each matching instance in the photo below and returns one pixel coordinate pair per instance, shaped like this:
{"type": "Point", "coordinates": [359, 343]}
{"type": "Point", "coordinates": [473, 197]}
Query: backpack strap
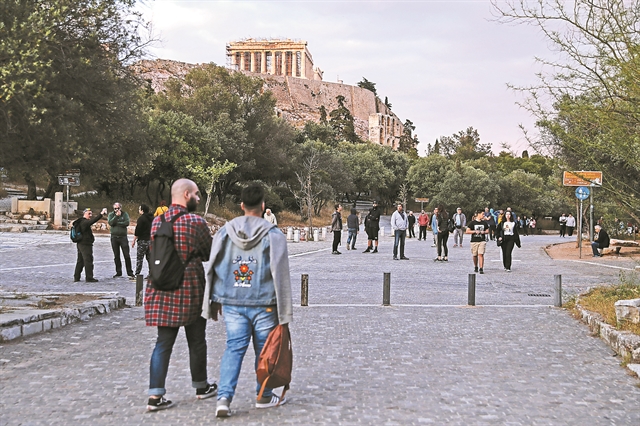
{"type": "Point", "coordinates": [173, 221]}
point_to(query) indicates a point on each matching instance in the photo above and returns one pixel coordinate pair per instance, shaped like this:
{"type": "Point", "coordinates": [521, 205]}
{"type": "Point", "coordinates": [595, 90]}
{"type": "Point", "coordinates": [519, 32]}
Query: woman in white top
{"type": "Point", "coordinates": [508, 237]}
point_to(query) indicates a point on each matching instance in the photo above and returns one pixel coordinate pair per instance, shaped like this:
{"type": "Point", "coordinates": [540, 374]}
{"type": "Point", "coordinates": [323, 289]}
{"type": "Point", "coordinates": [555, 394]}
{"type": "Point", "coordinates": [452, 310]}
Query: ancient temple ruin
{"type": "Point", "coordinates": [273, 57]}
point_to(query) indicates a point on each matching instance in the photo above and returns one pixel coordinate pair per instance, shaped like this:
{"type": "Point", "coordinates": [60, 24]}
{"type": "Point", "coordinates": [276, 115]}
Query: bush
{"type": "Point", "coordinates": [288, 200]}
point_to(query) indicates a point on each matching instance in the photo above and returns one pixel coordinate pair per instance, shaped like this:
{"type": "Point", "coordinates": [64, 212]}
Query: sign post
{"type": "Point", "coordinates": [421, 201]}
{"type": "Point", "coordinates": [582, 193]}
{"type": "Point", "coordinates": [70, 178]}
{"type": "Point", "coordinates": [584, 179]}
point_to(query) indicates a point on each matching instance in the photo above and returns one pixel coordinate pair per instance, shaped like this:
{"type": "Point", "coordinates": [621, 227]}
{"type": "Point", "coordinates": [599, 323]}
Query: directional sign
{"type": "Point", "coordinates": [69, 180]}
{"type": "Point", "coordinates": [582, 178]}
{"type": "Point", "coordinates": [582, 193]}
{"type": "Point", "coordinates": [422, 200]}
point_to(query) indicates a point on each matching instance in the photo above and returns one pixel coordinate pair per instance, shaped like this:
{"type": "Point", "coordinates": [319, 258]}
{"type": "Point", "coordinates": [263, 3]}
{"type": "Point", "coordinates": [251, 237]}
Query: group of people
{"type": "Point", "coordinates": [118, 221]}
{"type": "Point", "coordinates": [567, 225]}
{"type": "Point", "coordinates": [246, 280]}
{"type": "Point", "coordinates": [502, 226]}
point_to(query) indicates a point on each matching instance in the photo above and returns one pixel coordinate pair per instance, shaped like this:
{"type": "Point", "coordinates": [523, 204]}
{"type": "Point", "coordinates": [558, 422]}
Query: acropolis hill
{"type": "Point", "coordinates": [287, 69]}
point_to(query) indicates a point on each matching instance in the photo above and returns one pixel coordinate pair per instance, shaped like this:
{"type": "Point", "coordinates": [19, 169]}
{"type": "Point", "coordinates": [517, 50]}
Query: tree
{"type": "Point", "coordinates": [210, 176]}
{"type": "Point", "coordinates": [594, 89]}
{"type": "Point", "coordinates": [68, 98]}
{"type": "Point", "coordinates": [464, 145]}
{"type": "Point", "coordinates": [369, 85]}
{"type": "Point", "coordinates": [342, 122]}
{"type": "Point", "coordinates": [387, 103]}
{"type": "Point", "coordinates": [408, 142]}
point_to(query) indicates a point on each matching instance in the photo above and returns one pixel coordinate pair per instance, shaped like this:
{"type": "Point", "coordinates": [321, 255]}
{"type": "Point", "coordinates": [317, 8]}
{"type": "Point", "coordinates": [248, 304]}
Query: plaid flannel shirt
{"type": "Point", "coordinates": [182, 306]}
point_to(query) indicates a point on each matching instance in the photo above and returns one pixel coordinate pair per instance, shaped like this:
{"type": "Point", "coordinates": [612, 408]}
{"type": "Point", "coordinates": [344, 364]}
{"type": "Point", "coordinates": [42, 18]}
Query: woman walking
{"type": "Point", "coordinates": [443, 234]}
{"type": "Point", "coordinates": [508, 237]}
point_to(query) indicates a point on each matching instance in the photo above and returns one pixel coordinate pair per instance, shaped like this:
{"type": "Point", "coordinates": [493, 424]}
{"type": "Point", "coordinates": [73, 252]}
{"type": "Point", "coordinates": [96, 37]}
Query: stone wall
{"type": "Point", "coordinates": [298, 100]}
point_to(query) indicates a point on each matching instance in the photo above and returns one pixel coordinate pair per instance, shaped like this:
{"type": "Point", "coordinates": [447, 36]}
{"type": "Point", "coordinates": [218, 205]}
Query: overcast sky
{"type": "Point", "coordinates": [444, 65]}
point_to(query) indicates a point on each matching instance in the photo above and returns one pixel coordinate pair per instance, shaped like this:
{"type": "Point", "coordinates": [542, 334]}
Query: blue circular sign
{"type": "Point", "coordinates": [582, 193]}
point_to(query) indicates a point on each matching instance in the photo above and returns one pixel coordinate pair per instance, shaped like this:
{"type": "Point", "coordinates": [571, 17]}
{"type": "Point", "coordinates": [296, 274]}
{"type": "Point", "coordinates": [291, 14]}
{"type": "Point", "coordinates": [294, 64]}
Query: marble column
{"type": "Point", "coordinates": [263, 63]}
{"type": "Point", "coordinates": [303, 65]}
{"type": "Point", "coordinates": [283, 58]}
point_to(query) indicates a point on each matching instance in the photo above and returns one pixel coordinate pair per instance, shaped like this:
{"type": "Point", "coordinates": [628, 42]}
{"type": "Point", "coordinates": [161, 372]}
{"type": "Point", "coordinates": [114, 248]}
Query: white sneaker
{"type": "Point", "coordinates": [222, 408]}
{"type": "Point", "coordinates": [270, 401]}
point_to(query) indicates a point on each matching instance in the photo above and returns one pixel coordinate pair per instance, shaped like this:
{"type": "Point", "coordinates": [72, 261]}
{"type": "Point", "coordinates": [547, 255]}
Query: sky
{"type": "Point", "coordinates": [444, 65]}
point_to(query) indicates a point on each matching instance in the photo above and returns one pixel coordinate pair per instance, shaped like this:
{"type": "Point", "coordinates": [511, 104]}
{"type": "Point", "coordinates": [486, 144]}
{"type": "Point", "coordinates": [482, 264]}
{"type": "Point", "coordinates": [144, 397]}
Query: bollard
{"type": "Point", "coordinates": [296, 236]}
{"type": "Point", "coordinates": [139, 285]}
{"type": "Point", "coordinates": [381, 232]}
{"type": "Point", "coordinates": [289, 233]}
{"type": "Point", "coordinates": [472, 290]}
{"type": "Point", "coordinates": [324, 233]}
{"type": "Point", "coordinates": [557, 296]}
{"type": "Point", "coordinates": [316, 235]}
{"type": "Point", "coordinates": [386, 289]}
{"type": "Point", "coordinates": [304, 290]}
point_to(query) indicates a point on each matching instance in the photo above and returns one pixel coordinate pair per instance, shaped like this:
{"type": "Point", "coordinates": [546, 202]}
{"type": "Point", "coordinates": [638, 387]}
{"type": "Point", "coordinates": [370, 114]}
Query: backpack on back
{"type": "Point", "coordinates": [166, 268]}
{"type": "Point", "coordinates": [276, 361]}
{"type": "Point", "coordinates": [76, 233]}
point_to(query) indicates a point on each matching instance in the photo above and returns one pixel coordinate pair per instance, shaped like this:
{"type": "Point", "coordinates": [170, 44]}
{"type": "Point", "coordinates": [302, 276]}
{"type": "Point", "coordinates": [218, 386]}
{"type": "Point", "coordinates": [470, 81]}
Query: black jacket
{"type": "Point", "coordinates": [143, 227]}
{"type": "Point", "coordinates": [85, 228]}
{"type": "Point", "coordinates": [603, 239]}
{"type": "Point", "coordinates": [516, 234]}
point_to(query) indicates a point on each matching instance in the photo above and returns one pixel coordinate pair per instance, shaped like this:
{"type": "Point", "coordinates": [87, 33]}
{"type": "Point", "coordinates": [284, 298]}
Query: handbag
{"type": "Point", "coordinates": [276, 360]}
{"type": "Point", "coordinates": [498, 242]}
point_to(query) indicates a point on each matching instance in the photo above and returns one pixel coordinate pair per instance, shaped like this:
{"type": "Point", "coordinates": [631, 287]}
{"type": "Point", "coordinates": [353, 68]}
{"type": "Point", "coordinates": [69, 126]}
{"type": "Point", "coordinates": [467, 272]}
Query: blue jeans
{"type": "Point", "coordinates": [400, 238]}
{"type": "Point", "coordinates": [594, 247]}
{"type": "Point", "coordinates": [353, 233]}
{"type": "Point", "coordinates": [162, 354]}
{"type": "Point", "coordinates": [243, 323]}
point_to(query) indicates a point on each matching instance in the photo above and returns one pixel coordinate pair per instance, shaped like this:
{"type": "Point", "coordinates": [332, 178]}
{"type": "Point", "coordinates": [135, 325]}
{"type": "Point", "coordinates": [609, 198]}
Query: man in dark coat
{"type": "Point", "coordinates": [601, 241]}
{"type": "Point", "coordinates": [85, 246]}
{"type": "Point", "coordinates": [142, 236]}
{"type": "Point", "coordinates": [170, 310]}
{"type": "Point", "coordinates": [371, 227]}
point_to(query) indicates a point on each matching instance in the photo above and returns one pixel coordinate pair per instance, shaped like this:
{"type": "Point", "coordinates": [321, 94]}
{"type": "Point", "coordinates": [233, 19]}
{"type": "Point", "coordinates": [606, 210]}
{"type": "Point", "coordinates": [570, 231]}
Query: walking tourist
{"type": "Point", "coordinates": [571, 224]}
{"type": "Point", "coordinates": [353, 224]}
{"type": "Point", "coordinates": [251, 287]}
{"type": "Point", "coordinates": [336, 228]}
{"type": "Point", "coordinates": [478, 229]}
{"type": "Point", "coordinates": [423, 223]}
{"type": "Point", "coordinates": [460, 221]}
{"type": "Point", "coordinates": [443, 226]}
{"type": "Point", "coordinates": [170, 310]}
{"type": "Point", "coordinates": [412, 223]}
{"type": "Point", "coordinates": [270, 217]}
{"type": "Point", "coordinates": [563, 225]}
{"type": "Point", "coordinates": [508, 236]}
{"type": "Point", "coordinates": [162, 209]}
{"type": "Point", "coordinates": [434, 226]}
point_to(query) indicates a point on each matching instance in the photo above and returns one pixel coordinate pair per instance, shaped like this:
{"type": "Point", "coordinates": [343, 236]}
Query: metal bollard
{"type": "Point", "coordinates": [296, 236]}
{"type": "Point", "coordinates": [139, 286]}
{"type": "Point", "coordinates": [472, 290]}
{"type": "Point", "coordinates": [386, 289]}
{"type": "Point", "coordinates": [557, 296]}
{"type": "Point", "coordinates": [304, 290]}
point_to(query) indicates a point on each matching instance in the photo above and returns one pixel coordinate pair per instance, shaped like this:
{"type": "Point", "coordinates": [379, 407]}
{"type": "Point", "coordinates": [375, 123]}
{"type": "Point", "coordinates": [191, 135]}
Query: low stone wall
{"type": "Point", "coordinates": [624, 343]}
{"type": "Point", "coordinates": [25, 322]}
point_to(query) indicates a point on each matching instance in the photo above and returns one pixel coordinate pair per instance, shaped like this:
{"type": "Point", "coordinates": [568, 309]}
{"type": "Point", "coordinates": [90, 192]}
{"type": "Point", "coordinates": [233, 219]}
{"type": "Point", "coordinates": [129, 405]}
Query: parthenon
{"type": "Point", "coordinates": [273, 57]}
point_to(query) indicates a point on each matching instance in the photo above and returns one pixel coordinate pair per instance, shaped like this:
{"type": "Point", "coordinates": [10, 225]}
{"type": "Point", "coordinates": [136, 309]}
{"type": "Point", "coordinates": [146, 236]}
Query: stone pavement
{"type": "Point", "coordinates": [427, 359]}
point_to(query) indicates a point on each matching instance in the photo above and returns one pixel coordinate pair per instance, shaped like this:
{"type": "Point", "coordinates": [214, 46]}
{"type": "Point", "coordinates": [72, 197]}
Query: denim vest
{"type": "Point", "coordinates": [243, 276]}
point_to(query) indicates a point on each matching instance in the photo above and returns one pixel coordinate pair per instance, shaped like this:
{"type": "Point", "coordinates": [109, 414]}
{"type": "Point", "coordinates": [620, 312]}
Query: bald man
{"type": "Point", "coordinates": [170, 310]}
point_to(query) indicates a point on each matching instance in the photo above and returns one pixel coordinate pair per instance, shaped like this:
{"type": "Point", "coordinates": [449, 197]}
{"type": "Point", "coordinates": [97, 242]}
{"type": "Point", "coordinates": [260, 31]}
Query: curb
{"type": "Point", "coordinates": [624, 343]}
{"type": "Point", "coordinates": [26, 322]}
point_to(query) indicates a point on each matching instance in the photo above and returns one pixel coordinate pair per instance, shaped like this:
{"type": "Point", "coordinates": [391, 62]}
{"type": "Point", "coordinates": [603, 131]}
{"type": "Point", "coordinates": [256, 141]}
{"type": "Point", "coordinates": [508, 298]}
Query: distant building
{"type": "Point", "coordinates": [273, 57]}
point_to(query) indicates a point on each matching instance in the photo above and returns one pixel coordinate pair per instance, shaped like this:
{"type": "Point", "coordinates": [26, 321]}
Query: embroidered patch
{"type": "Point", "coordinates": [243, 273]}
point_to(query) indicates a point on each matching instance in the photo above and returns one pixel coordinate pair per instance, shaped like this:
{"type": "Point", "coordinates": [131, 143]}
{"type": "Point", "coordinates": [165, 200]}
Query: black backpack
{"type": "Point", "coordinates": [76, 233]}
{"type": "Point", "coordinates": [166, 268]}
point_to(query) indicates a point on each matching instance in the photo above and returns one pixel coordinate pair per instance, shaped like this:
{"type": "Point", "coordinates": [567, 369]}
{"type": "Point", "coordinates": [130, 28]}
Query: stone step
{"type": "Point", "coordinates": [28, 222]}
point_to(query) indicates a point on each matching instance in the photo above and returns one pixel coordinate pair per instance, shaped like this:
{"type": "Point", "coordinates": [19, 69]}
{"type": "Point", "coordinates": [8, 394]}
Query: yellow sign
{"type": "Point", "coordinates": [582, 178]}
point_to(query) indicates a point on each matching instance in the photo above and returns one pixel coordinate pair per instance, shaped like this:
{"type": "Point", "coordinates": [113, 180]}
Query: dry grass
{"type": "Point", "coordinates": [602, 299]}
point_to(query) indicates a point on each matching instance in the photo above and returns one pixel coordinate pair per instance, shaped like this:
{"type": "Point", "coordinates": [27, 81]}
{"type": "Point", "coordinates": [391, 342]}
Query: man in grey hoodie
{"type": "Point", "coordinates": [248, 282]}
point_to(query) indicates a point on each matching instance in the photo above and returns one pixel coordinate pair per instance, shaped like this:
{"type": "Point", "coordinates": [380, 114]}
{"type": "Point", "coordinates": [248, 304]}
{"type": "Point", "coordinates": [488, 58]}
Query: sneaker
{"type": "Point", "coordinates": [481, 271]}
{"type": "Point", "coordinates": [117, 275]}
{"type": "Point", "coordinates": [348, 248]}
{"type": "Point", "coordinates": [433, 245]}
{"type": "Point", "coordinates": [404, 258]}
{"type": "Point", "coordinates": [375, 250]}
{"type": "Point", "coordinates": [132, 277]}
{"type": "Point", "coordinates": [75, 280]}
{"type": "Point", "coordinates": [444, 259]}
{"type": "Point", "coordinates": [437, 259]}
{"type": "Point", "coordinates": [335, 252]}
{"type": "Point", "coordinates": [395, 258]}
{"type": "Point", "coordinates": [508, 270]}
{"type": "Point", "coordinates": [207, 392]}
{"type": "Point", "coordinates": [455, 245]}
{"type": "Point", "coordinates": [156, 404]}
{"type": "Point", "coordinates": [368, 250]}
{"type": "Point", "coordinates": [475, 269]}
{"type": "Point", "coordinates": [91, 280]}
{"type": "Point", "coordinates": [222, 408]}
{"type": "Point", "coordinates": [354, 248]}
{"type": "Point", "coordinates": [270, 401]}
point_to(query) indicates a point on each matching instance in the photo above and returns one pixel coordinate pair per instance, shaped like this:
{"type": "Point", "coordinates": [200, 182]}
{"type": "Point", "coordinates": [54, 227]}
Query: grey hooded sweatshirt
{"type": "Point", "coordinates": [249, 266]}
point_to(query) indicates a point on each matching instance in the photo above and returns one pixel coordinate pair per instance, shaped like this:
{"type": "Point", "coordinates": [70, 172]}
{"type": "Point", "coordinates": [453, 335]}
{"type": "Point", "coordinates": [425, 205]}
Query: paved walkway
{"type": "Point", "coordinates": [428, 359]}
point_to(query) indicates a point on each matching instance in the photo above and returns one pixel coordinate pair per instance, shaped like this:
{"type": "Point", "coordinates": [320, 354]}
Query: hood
{"type": "Point", "coordinates": [247, 231]}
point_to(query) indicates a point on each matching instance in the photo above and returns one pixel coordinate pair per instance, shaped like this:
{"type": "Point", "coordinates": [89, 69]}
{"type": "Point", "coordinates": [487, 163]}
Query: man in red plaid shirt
{"type": "Point", "coordinates": [170, 310]}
